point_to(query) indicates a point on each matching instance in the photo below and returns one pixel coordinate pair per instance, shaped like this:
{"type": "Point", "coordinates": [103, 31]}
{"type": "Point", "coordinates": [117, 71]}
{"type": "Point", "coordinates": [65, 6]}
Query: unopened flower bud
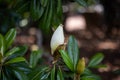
{"type": "Point", "coordinates": [57, 38]}
{"type": "Point", "coordinates": [81, 66]}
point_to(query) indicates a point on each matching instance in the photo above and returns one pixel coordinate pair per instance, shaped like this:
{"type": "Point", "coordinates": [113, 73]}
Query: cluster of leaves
{"type": "Point", "coordinates": [47, 13]}
{"type": "Point", "coordinates": [14, 66]}
{"type": "Point", "coordinates": [71, 58]}
{"type": "Point", "coordinates": [12, 63]}
{"type": "Point", "coordinates": [9, 57]}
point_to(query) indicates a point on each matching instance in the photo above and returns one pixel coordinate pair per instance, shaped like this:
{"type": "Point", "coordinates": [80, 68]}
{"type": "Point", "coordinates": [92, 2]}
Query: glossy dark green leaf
{"type": "Point", "coordinates": [60, 74]}
{"type": "Point", "coordinates": [59, 10]}
{"type": "Point", "coordinates": [100, 66]}
{"type": "Point", "coordinates": [91, 77]}
{"type": "Point", "coordinates": [21, 6]}
{"type": "Point", "coordinates": [15, 60]}
{"type": "Point", "coordinates": [87, 72]}
{"type": "Point", "coordinates": [21, 52]}
{"type": "Point", "coordinates": [12, 51]}
{"type": "Point", "coordinates": [59, 6]}
{"type": "Point", "coordinates": [2, 45]}
{"type": "Point", "coordinates": [1, 57]}
{"type": "Point", "coordinates": [87, 78]}
{"type": "Point", "coordinates": [73, 50]}
{"type": "Point", "coordinates": [34, 57]}
{"type": "Point", "coordinates": [9, 37]}
{"type": "Point", "coordinates": [45, 76]}
{"type": "Point", "coordinates": [53, 73]}
{"type": "Point", "coordinates": [44, 2]}
{"type": "Point", "coordinates": [67, 60]}
{"type": "Point", "coordinates": [8, 72]}
{"type": "Point", "coordinates": [45, 22]}
{"type": "Point", "coordinates": [36, 9]}
{"type": "Point", "coordinates": [4, 77]}
{"type": "Point", "coordinates": [82, 2]}
{"type": "Point", "coordinates": [57, 14]}
{"type": "Point", "coordinates": [96, 59]}
{"type": "Point", "coordinates": [35, 75]}
{"type": "Point", "coordinates": [39, 74]}
{"type": "Point", "coordinates": [22, 66]}
{"type": "Point", "coordinates": [20, 75]}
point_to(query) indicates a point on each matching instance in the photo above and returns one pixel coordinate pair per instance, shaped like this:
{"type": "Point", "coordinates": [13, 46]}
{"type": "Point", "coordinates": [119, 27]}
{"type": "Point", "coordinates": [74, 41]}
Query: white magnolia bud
{"type": "Point", "coordinates": [57, 38]}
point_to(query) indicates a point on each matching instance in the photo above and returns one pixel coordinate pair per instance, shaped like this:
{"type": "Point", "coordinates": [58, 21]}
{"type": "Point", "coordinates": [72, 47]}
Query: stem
{"type": "Point", "coordinates": [76, 76]}
{"type": "Point", "coordinates": [0, 69]}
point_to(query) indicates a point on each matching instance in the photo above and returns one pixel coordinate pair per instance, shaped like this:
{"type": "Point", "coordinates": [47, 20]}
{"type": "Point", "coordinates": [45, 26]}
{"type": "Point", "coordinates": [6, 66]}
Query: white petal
{"type": "Point", "coordinates": [57, 38]}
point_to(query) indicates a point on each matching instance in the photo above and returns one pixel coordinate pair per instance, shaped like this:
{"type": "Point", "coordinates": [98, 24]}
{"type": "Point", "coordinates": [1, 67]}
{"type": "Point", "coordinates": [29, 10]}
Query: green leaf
{"type": "Point", "coordinates": [45, 22]}
{"type": "Point", "coordinates": [4, 77]}
{"type": "Point", "coordinates": [100, 66]}
{"type": "Point", "coordinates": [60, 75]}
{"type": "Point", "coordinates": [96, 59]}
{"type": "Point", "coordinates": [20, 75]}
{"type": "Point", "coordinates": [53, 73]}
{"type": "Point", "coordinates": [1, 57]}
{"type": "Point", "coordinates": [90, 77]}
{"type": "Point", "coordinates": [73, 50]}
{"type": "Point", "coordinates": [21, 6]}
{"type": "Point", "coordinates": [22, 66]}
{"type": "Point", "coordinates": [12, 51]}
{"type": "Point", "coordinates": [39, 74]}
{"type": "Point", "coordinates": [21, 52]}
{"type": "Point", "coordinates": [59, 6]}
{"type": "Point", "coordinates": [36, 9]}
{"type": "Point", "coordinates": [87, 72]}
{"type": "Point", "coordinates": [59, 10]}
{"type": "Point", "coordinates": [15, 60]}
{"type": "Point", "coordinates": [35, 75]}
{"type": "Point", "coordinates": [2, 45]}
{"type": "Point", "coordinates": [67, 60]}
{"type": "Point", "coordinates": [44, 2]}
{"type": "Point", "coordinates": [82, 2]}
{"type": "Point", "coordinates": [9, 37]}
{"type": "Point", "coordinates": [58, 14]}
{"type": "Point", "coordinates": [7, 70]}
{"type": "Point", "coordinates": [45, 76]}
{"type": "Point", "coordinates": [34, 57]}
